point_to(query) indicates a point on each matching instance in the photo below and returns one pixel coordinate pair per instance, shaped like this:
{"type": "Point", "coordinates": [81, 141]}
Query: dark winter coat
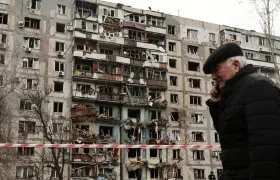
{"type": "Point", "coordinates": [247, 119]}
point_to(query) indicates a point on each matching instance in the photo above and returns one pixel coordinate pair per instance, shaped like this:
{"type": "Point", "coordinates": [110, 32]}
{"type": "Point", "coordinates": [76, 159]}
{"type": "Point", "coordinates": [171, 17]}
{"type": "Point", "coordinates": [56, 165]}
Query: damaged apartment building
{"type": "Point", "coordinates": [121, 75]}
{"type": "Point", "coordinates": [120, 71]}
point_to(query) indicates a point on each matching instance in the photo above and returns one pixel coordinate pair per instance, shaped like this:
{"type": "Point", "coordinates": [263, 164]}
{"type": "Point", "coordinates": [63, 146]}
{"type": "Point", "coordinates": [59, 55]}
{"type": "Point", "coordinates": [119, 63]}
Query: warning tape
{"type": "Point", "coordinates": [121, 146]}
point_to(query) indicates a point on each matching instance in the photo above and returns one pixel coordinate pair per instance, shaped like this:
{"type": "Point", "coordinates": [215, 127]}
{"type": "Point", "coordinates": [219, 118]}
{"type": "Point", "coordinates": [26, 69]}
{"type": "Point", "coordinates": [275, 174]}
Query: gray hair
{"type": "Point", "coordinates": [241, 60]}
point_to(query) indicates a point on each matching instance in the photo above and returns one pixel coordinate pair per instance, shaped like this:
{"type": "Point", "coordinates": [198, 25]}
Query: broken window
{"type": "Point", "coordinates": [155, 21]}
{"type": "Point", "coordinates": [136, 91]}
{"type": "Point", "coordinates": [174, 116]}
{"type": "Point", "coordinates": [58, 86]}
{"type": "Point", "coordinates": [219, 172]}
{"type": "Point", "coordinates": [60, 27]}
{"type": "Point", "coordinates": [107, 51]}
{"type": "Point", "coordinates": [155, 114]}
{"type": "Point", "coordinates": [154, 173]}
{"type": "Point", "coordinates": [261, 41]}
{"type": "Point", "coordinates": [172, 63]}
{"type": "Point", "coordinates": [217, 139]}
{"type": "Point", "coordinates": [59, 66]}
{"type": "Point", "coordinates": [194, 83]}
{"type": "Point", "coordinates": [32, 23]}
{"type": "Point", "coordinates": [25, 172]}
{"type": "Point", "coordinates": [217, 155]}
{"type": "Point", "coordinates": [249, 55]}
{"type": "Point", "coordinates": [211, 50]}
{"type": "Point", "coordinates": [173, 80]}
{"type": "Point", "coordinates": [134, 114]}
{"type": "Point", "coordinates": [134, 53]}
{"type": "Point", "coordinates": [3, 18]}
{"type": "Point", "coordinates": [3, 38]}
{"type": "Point", "coordinates": [105, 110]}
{"type": "Point", "coordinates": [32, 42]}
{"type": "Point", "coordinates": [25, 105]}
{"type": "Point", "coordinates": [232, 37]}
{"type": "Point", "coordinates": [35, 4]}
{"type": "Point", "coordinates": [268, 58]}
{"type": "Point", "coordinates": [106, 131]}
{"type": "Point", "coordinates": [85, 9]}
{"type": "Point", "coordinates": [174, 98]}
{"type": "Point", "coordinates": [57, 107]}
{"type": "Point", "coordinates": [30, 63]}
{"type": "Point", "coordinates": [154, 94]}
{"type": "Point", "coordinates": [137, 71]}
{"type": "Point", "coordinates": [25, 151]}
{"type": "Point", "coordinates": [26, 127]}
{"type": "Point", "coordinates": [56, 127]}
{"type": "Point", "coordinates": [196, 118]}
{"type": "Point", "coordinates": [193, 50]}
{"type": "Point", "coordinates": [175, 135]}
{"type": "Point", "coordinates": [172, 46]}
{"type": "Point", "coordinates": [198, 155]}
{"type": "Point", "coordinates": [171, 29]}
{"type": "Point", "coordinates": [59, 46]}
{"type": "Point", "coordinates": [199, 173]}
{"type": "Point", "coordinates": [134, 153]}
{"type": "Point", "coordinates": [156, 74]}
{"type": "Point", "coordinates": [176, 153]}
{"type": "Point", "coordinates": [153, 134]}
{"type": "Point", "coordinates": [61, 9]}
{"type": "Point", "coordinates": [195, 100]}
{"type": "Point", "coordinates": [192, 34]}
{"type": "Point", "coordinates": [136, 174]}
{"type": "Point", "coordinates": [30, 84]}
{"type": "Point", "coordinates": [137, 35]}
{"type": "Point", "coordinates": [1, 80]}
{"type": "Point", "coordinates": [197, 136]}
{"type": "Point", "coordinates": [153, 153]}
{"type": "Point", "coordinates": [193, 66]}
{"type": "Point", "coordinates": [2, 58]}
{"type": "Point", "coordinates": [247, 38]}
{"type": "Point", "coordinates": [212, 37]}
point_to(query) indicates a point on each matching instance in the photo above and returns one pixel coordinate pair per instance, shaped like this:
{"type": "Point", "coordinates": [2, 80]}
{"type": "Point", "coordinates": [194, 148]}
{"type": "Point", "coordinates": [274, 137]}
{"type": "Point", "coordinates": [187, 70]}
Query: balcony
{"type": "Point", "coordinates": [89, 55]}
{"type": "Point", "coordinates": [161, 30]}
{"type": "Point", "coordinates": [83, 110]}
{"type": "Point", "coordinates": [150, 46]}
{"type": "Point", "coordinates": [108, 97]}
{"type": "Point", "coordinates": [82, 157]}
{"type": "Point", "coordinates": [157, 83]}
{"type": "Point", "coordinates": [108, 77]}
{"type": "Point", "coordinates": [90, 94]}
{"type": "Point", "coordinates": [135, 100]}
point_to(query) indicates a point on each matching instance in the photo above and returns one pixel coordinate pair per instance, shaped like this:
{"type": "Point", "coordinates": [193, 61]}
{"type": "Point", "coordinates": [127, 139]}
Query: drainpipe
{"type": "Point", "coordinates": [121, 142]}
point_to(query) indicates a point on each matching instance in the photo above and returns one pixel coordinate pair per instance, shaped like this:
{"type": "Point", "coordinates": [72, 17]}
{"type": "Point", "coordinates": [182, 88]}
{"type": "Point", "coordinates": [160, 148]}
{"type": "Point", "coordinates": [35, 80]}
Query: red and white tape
{"type": "Point", "coordinates": [122, 146]}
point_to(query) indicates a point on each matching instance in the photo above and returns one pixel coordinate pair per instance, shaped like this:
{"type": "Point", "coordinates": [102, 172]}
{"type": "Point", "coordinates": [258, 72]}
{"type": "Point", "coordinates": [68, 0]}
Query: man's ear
{"type": "Point", "coordinates": [237, 65]}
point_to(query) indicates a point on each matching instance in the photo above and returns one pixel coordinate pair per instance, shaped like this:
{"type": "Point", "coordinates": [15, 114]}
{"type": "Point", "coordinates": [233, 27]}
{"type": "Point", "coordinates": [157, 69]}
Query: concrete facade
{"type": "Point", "coordinates": [118, 75]}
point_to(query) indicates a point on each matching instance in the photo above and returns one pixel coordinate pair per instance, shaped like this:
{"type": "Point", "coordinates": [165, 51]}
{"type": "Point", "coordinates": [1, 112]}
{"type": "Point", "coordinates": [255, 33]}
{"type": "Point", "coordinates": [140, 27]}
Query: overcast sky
{"type": "Point", "coordinates": [225, 12]}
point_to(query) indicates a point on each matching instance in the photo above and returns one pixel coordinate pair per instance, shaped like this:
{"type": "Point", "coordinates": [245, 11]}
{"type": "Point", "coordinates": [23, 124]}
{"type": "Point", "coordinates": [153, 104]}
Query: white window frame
{"type": "Point", "coordinates": [24, 171]}
{"type": "Point", "coordinates": [199, 173]}
{"type": "Point", "coordinates": [58, 107]}
{"type": "Point", "coordinates": [27, 61]}
{"type": "Point", "coordinates": [61, 9]}
{"type": "Point", "coordinates": [37, 4]}
{"type": "Point", "coordinates": [61, 46]}
{"type": "Point", "coordinates": [60, 64]}
{"type": "Point", "coordinates": [34, 84]}
{"type": "Point", "coordinates": [36, 42]}
{"type": "Point", "coordinates": [198, 155]}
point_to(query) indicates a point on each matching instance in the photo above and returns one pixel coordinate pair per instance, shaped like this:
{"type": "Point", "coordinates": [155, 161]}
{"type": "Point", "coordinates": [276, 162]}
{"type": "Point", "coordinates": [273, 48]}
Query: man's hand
{"type": "Point", "coordinates": [215, 94]}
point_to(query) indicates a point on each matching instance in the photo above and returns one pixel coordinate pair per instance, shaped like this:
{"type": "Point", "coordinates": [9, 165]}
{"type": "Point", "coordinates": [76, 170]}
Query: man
{"type": "Point", "coordinates": [245, 108]}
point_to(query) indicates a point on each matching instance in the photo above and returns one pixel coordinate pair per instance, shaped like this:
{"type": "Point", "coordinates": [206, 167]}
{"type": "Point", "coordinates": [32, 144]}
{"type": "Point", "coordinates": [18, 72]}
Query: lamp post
{"type": "Point", "coordinates": [211, 176]}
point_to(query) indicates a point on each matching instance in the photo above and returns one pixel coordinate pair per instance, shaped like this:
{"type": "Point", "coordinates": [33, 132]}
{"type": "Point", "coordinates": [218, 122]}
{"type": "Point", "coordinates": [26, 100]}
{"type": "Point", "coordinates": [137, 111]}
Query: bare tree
{"type": "Point", "coordinates": [35, 100]}
{"type": "Point", "coordinates": [267, 10]}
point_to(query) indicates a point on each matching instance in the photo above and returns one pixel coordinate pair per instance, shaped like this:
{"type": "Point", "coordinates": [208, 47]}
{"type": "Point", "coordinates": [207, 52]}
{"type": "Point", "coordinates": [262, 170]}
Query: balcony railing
{"type": "Point", "coordinates": [108, 97]}
{"type": "Point", "coordinates": [82, 110]}
{"type": "Point", "coordinates": [135, 100]}
{"type": "Point", "coordinates": [161, 83]}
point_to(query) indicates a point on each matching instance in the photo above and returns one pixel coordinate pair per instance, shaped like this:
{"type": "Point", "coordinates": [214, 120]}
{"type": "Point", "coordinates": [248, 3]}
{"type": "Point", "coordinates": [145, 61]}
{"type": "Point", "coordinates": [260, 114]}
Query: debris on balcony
{"type": "Point", "coordinates": [156, 101]}
{"type": "Point", "coordinates": [81, 110]}
{"type": "Point", "coordinates": [134, 165]}
{"type": "Point", "coordinates": [157, 122]}
{"type": "Point", "coordinates": [111, 24]}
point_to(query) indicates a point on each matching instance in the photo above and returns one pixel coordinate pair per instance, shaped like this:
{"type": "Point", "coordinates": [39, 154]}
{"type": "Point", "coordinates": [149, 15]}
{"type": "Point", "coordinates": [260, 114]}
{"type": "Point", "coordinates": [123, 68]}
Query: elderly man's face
{"type": "Point", "coordinates": [225, 71]}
